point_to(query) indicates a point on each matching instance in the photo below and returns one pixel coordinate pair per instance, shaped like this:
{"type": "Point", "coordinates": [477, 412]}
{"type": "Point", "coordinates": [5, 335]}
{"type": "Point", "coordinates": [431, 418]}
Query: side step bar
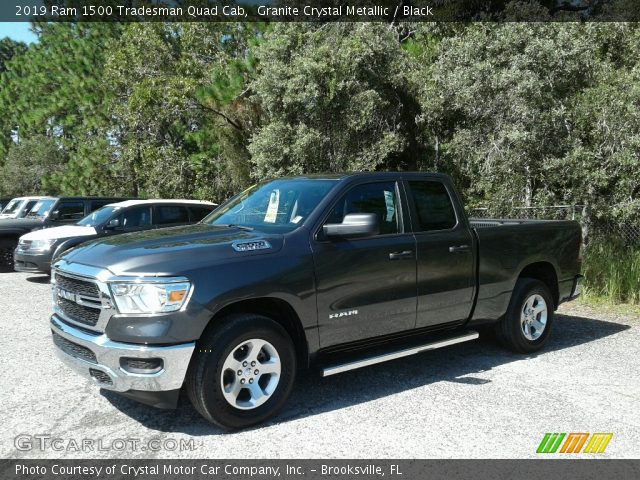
{"type": "Point", "coordinates": [467, 336]}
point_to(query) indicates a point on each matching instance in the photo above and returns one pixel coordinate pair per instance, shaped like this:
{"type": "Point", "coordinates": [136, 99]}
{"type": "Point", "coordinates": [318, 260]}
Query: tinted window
{"type": "Point", "coordinates": [70, 211]}
{"type": "Point", "coordinates": [135, 218]}
{"type": "Point", "coordinates": [378, 198]}
{"type": "Point", "coordinates": [171, 214]}
{"type": "Point", "coordinates": [435, 211]}
{"type": "Point", "coordinates": [96, 204]}
{"type": "Point", "coordinates": [198, 213]}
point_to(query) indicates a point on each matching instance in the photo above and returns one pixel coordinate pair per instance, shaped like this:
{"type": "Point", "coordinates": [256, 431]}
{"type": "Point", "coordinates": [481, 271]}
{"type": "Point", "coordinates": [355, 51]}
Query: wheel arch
{"type": "Point", "coordinates": [546, 273]}
{"type": "Point", "coordinates": [279, 311]}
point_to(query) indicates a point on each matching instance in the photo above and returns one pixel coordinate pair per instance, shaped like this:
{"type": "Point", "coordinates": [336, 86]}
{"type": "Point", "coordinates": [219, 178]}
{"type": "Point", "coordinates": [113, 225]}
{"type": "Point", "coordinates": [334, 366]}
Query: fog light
{"type": "Point", "coordinates": [141, 366]}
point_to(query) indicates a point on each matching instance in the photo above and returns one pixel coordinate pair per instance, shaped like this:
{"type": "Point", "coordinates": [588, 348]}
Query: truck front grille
{"type": "Point", "coordinates": [79, 313]}
{"type": "Point", "coordinates": [73, 349]}
{"type": "Point", "coordinates": [77, 286]}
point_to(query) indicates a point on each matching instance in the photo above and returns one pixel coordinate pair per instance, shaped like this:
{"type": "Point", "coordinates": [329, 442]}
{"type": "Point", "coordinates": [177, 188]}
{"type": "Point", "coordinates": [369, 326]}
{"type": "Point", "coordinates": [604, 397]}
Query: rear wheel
{"type": "Point", "coordinates": [527, 324]}
{"type": "Point", "coordinates": [242, 372]}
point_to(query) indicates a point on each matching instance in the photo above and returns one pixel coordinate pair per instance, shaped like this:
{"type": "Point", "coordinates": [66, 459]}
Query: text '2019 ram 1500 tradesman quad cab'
{"type": "Point", "coordinates": [334, 271]}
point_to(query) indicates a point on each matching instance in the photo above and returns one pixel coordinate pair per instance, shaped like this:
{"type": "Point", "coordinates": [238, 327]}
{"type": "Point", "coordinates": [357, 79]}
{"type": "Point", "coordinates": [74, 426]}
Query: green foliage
{"type": "Point", "coordinates": [334, 97]}
{"type": "Point", "coordinates": [612, 271]}
{"type": "Point", "coordinates": [177, 117]}
{"type": "Point", "coordinates": [30, 166]}
{"type": "Point", "coordinates": [8, 49]}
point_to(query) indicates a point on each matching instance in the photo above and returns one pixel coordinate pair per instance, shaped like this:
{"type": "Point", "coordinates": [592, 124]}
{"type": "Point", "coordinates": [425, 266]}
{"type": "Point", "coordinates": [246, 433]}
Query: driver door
{"type": "Point", "coordinates": [366, 287]}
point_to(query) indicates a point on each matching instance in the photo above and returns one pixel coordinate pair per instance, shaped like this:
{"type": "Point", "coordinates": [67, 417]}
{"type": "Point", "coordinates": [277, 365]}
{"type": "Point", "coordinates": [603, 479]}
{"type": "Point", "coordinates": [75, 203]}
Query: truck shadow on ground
{"type": "Point", "coordinates": [314, 395]}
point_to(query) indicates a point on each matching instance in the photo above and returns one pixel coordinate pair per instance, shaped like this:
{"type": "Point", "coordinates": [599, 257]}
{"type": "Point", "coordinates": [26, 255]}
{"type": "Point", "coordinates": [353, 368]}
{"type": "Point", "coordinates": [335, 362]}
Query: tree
{"type": "Point", "coordinates": [29, 166]}
{"type": "Point", "coordinates": [9, 49]}
{"type": "Point", "coordinates": [56, 89]}
{"type": "Point", "coordinates": [333, 97]}
{"type": "Point", "coordinates": [178, 111]}
{"type": "Point", "coordinates": [498, 103]}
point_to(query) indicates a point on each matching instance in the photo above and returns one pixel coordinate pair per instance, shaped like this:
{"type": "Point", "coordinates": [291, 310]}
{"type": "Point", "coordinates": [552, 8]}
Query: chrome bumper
{"type": "Point", "coordinates": [108, 354]}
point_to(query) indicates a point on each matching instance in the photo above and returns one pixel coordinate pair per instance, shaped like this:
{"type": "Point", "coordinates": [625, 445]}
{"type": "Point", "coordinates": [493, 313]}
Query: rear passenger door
{"type": "Point", "coordinates": [170, 215]}
{"type": "Point", "coordinates": [445, 258]}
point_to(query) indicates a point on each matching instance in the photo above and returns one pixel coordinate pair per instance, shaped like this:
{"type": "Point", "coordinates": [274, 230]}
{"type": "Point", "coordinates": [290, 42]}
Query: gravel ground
{"type": "Point", "coordinates": [472, 400]}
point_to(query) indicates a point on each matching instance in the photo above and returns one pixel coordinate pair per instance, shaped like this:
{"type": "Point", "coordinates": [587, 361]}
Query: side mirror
{"type": "Point", "coordinates": [55, 215]}
{"type": "Point", "coordinates": [354, 225]}
{"type": "Point", "coordinates": [113, 224]}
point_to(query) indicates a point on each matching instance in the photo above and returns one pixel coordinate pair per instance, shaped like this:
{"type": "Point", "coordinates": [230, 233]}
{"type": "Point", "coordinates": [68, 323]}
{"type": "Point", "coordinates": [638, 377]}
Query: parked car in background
{"type": "Point", "coordinates": [47, 212]}
{"type": "Point", "coordinates": [3, 202]}
{"type": "Point", "coordinates": [18, 207]}
{"type": "Point", "coordinates": [36, 249]}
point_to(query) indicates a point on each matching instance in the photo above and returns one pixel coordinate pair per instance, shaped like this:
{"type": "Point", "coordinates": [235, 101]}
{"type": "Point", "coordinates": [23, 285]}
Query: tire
{"type": "Point", "coordinates": [222, 360]}
{"type": "Point", "coordinates": [526, 326]}
{"type": "Point", "coordinates": [6, 259]}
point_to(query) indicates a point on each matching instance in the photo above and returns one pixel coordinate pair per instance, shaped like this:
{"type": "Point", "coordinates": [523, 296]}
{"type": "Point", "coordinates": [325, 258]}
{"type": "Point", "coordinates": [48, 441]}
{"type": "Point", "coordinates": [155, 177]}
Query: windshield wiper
{"type": "Point", "coordinates": [233, 225]}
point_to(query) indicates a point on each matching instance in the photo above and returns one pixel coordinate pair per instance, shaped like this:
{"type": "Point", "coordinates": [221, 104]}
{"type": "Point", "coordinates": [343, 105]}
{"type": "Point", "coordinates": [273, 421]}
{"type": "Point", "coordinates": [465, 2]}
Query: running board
{"type": "Point", "coordinates": [467, 336]}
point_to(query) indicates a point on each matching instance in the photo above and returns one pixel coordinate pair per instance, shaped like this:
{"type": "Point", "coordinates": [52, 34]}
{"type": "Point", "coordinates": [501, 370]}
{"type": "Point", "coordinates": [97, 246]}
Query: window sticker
{"type": "Point", "coordinates": [272, 209]}
{"type": "Point", "coordinates": [391, 209]}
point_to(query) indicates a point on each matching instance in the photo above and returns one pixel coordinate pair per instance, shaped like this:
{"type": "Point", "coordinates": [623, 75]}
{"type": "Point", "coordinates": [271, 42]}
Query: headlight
{"type": "Point", "coordinates": [152, 297]}
{"type": "Point", "coordinates": [41, 245]}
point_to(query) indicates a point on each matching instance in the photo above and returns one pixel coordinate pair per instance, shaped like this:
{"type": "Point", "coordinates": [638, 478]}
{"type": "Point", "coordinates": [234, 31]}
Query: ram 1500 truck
{"type": "Point", "coordinates": [334, 272]}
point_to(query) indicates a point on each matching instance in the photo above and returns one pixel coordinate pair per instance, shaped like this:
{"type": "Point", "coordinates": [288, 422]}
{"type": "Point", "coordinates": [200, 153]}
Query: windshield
{"type": "Point", "coordinates": [12, 206]}
{"type": "Point", "coordinates": [41, 209]}
{"type": "Point", "coordinates": [98, 217]}
{"type": "Point", "coordinates": [278, 205]}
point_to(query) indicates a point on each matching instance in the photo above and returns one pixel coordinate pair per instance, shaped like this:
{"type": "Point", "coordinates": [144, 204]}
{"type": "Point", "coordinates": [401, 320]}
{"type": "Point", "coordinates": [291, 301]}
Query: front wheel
{"type": "Point", "coordinates": [242, 372]}
{"type": "Point", "coordinates": [527, 324]}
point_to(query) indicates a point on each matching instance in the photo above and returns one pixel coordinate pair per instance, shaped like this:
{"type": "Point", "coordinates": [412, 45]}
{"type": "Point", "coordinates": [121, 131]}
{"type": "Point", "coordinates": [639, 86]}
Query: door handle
{"type": "Point", "coordinates": [401, 255]}
{"type": "Point", "coordinates": [460, 249]}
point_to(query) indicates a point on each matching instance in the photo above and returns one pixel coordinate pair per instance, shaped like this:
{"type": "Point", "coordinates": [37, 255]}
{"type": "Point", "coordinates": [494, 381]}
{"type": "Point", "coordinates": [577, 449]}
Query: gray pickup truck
{"type": "Point", "coordinates": [334, 272]}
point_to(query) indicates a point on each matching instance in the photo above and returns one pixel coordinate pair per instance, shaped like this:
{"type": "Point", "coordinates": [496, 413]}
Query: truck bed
{"type": "Point", "coordinates": [506, 246]}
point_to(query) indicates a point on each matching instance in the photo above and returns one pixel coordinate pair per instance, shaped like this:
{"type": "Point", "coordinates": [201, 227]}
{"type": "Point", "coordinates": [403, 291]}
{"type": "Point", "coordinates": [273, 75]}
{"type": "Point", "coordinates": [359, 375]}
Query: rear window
{"type": "Point", "coordinates": [167, 214]}
{"type": "Point", "coordinates": [433, 203]}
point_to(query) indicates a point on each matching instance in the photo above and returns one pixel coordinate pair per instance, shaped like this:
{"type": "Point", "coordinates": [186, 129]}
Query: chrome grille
{"type": "Point", "coordinates": [79, 313]}
{"type": "Point", "coordinates": [73, 349]}
{"type": "Point", "coordinates": [77, 286]}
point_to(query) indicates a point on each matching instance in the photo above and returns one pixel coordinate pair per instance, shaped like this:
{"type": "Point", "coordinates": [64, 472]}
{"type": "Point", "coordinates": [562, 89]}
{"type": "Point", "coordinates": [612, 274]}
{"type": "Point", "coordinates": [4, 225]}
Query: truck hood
{"type": "Point", "coordinates": [169, 251]}
{"type": "Point", "coordinates": [56, 233]}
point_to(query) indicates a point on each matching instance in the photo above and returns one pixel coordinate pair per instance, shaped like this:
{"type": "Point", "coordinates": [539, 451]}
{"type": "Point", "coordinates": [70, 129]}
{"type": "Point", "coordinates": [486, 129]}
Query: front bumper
{"type": "Point", "coordinates": [32, 263]}
{"type": "Point", "coordinates": [97, 358]}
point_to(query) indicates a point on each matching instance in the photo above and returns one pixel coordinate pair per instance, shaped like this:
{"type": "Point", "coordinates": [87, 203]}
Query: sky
{"type": "Point", "coordinates": [17, 31]}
